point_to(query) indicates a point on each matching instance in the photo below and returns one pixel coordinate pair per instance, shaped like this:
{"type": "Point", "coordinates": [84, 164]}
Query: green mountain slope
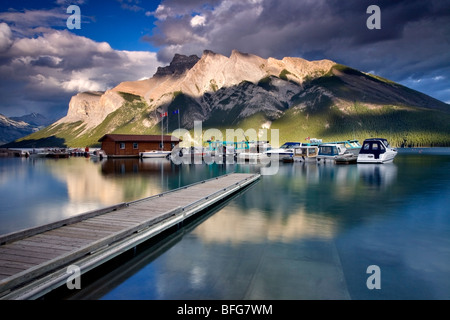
{"type": "Point", "coordinates": [341, 104]}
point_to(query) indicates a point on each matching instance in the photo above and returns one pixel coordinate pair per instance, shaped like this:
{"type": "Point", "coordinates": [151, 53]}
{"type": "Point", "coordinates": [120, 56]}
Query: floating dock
{"type": "Point", "coordinates": [35, 261]}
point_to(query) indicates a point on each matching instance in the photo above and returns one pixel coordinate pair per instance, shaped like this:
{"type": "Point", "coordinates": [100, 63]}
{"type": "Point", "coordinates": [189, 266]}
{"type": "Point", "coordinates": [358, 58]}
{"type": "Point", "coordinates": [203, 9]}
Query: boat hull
{"type": "Point", "coordinates": [383, 158]}
{"type": "Point", "coordinates": [348, 158]}
{"type": "Point", "coordinates": [154, 154]}
{"type": "Point", "coordinates": [304, 159]}
{"type": "Point", "coordinates": [280, 155]}
{"type": "Point", "coordinates": [326, 158]}
{"type": "Point", "coordinates": [249, 156]}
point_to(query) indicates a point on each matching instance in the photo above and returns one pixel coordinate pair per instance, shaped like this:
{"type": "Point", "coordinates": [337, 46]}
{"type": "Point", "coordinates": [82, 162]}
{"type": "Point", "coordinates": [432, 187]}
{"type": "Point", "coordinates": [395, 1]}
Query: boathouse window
{"type": "Point", "coordinates": [122, 145]}
{"type": "Point", "coordinates": [135, 145]}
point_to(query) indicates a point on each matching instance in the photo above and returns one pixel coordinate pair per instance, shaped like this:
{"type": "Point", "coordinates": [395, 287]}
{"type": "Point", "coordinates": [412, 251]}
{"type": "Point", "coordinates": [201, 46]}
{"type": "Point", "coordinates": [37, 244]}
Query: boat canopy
{"type": "Point", "coordinates": [328, 150]}
{"type": "Point", "coordinates": [374, 146]}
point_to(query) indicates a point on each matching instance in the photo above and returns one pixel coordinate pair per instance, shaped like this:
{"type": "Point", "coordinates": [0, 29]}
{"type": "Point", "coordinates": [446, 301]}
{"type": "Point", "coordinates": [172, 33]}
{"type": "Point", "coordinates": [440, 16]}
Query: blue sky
{"type": "Point", "coordinates": [122, 28]}
{"type": "Point", "coordinates": [43, 63]}
{"type": "Point", "coordinates": [108, 21]}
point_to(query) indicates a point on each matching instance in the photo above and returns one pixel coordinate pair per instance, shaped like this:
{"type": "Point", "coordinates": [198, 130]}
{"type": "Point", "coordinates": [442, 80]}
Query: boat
{"type": "Point", "coordinates": [346, 158]}
{"type": "Point", "coordinates": [376, 150]}
{"type": "Point", "coordinates": [256, 151]}
{"type": "Point", "coordinates": [189, 155]}
{"type": "Point", "coordinates": [219, 147]}
{"type": "Point", "coordinates": [100, 154]}
{"type": "Point", "coordinates": [192, 151]}
{"type": "Point", "coordinates": [351, 146]}
{"type": "Point", "coordinates": [283, 152]}
{"type": "Point", "coordinates": [154, 154]}
{"type": "Point", "coordinates": [306, 153]}
{"type": "Point", "coordinates": [157, 153]}
{"type": "Point", "coordinates": [57, 153]}
{"type": "Point", "coordinates": [330, 151]}
{"type": "Point", "coordinates": [39, 154]}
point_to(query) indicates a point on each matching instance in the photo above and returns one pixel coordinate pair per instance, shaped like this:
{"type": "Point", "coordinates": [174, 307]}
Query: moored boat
{"type": "Point", "coordinates": [306, 153]}
{"type": "Point", "coordinates": [376, 150]}
{"type": "Point", "coordinates": [256, 151]}
{"type": "Point", "coordinates": [100, 154]}
{"type": "Point", "coordinates": [154, 154]}
{"type": "Point", "coordinates": [283, 152]}
{"type": "Point", "coordinates": [330, 151]}
{"type": "Point", "coordinates": [57, 154]}
{"type": "Point", "coordinates": [351, 146]}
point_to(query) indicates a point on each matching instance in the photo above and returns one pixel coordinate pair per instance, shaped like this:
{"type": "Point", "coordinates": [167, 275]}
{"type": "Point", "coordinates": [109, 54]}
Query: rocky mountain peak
{"type": "Point", "coordinates": [179, 64]}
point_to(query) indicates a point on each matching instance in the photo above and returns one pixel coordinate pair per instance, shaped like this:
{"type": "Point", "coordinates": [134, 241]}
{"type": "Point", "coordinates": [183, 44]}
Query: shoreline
{"type": "Point", "coordinates": [425, 150]}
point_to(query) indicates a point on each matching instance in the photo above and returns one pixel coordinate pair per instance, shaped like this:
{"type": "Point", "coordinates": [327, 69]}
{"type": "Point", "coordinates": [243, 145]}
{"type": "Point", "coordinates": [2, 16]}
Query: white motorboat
{"type": "Point", "coordinates": [376, 150]}
{"type": "Point", "coordinates": [286, 150]}
{"type": "Point", "coordinates": [154, 154]}
{"type": "Point", "coordinates": [100, 154]}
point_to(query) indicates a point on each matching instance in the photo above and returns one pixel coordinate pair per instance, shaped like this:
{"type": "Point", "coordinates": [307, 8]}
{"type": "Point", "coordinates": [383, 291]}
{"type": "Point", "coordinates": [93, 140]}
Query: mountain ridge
{"type": "Point", "coordinates": [13, 128]}
{"type": "Point", "coordinates": [247, 90]}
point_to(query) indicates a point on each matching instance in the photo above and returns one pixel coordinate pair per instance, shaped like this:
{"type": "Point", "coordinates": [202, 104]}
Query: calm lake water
{"type": "Point", "coordinates": [309, 232]}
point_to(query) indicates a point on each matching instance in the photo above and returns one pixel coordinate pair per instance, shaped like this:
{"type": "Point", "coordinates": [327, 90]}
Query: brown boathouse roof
{"type": "Point", "coordinates": [138, 138]}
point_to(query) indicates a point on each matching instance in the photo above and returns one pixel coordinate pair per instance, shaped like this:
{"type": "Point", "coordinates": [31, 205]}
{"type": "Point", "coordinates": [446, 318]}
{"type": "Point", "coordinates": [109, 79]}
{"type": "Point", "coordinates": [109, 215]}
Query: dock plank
{"type": "Point", "coordinates": [27, 256]}
{"type": "Point", "coordinates": [28, 252]}
{"type": "Point", "coordinates": [32, 260]}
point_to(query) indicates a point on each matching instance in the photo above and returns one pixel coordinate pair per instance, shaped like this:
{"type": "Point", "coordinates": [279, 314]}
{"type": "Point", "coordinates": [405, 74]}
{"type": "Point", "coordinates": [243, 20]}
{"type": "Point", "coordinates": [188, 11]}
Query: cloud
{"type": "Point", "coordinates": [5, 37]}
{"type": "Point", "coordinates": [43, 71]}
{"type": "Point", "coordinates": [198, 21]}
{"type": "Point", "coordinates": [23, 22]}
{"type": "Point", "coordinates": [412, 41]}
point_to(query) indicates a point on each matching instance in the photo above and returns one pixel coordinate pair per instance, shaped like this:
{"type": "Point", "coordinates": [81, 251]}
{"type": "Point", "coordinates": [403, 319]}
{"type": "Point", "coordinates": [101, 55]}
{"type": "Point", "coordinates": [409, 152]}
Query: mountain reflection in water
{"type": "Point", "coordinates": [308, 232]}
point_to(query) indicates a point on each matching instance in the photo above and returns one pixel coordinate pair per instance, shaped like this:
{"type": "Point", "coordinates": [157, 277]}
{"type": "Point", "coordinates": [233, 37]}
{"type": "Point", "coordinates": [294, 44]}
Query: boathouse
{"type": "Point", "coordinates": [129, 145]}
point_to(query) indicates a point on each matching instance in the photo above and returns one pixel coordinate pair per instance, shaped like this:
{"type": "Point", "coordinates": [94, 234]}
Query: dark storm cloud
{"type": "Point", "coordinates": [412, 42]}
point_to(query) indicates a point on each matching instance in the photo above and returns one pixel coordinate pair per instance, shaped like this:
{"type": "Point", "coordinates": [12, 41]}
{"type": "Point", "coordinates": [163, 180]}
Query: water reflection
{"type": "Point", "coordinates": [378, 175]}
{"type": "Point", "coordinates": [241, 225]}
{"type": "Point", "coordinates": [308, 232]}
{"type": "Point", "coordinates": [137, 166]}
{"type": "Point", "coordinates": [46, 189]}
{"type": "Point", "coordinates": [302, 201]}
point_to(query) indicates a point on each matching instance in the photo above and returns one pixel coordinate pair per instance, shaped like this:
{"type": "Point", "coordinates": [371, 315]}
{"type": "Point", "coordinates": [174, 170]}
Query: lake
{"type": "Point", "coordinates": [311, 231]}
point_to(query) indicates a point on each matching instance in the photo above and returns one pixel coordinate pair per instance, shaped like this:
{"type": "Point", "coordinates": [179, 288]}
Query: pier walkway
{"type": "Point", "coordinates": [35, 261]}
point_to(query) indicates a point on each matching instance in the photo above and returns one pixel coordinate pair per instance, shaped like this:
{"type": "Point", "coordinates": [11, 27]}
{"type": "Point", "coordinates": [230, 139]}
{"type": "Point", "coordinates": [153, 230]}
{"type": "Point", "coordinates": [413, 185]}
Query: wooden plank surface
{"type": "Point", "coordinates": [30, 253]}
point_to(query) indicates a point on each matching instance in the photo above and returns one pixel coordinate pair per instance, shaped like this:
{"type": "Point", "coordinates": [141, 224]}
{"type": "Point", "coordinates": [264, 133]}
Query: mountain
{"type": "Point", "coordinates": [11, 130]}
{"type": "Point", "coordinates": [300, 98]}
{"type": "Point", "coordinates": [14, 128]}
{"type": "Point", "coordinates": [34, 119]}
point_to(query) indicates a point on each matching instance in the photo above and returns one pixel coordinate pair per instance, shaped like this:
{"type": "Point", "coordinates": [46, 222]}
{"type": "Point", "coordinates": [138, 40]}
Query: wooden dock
{"type": "Point", "coordinates": [35, 261]}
